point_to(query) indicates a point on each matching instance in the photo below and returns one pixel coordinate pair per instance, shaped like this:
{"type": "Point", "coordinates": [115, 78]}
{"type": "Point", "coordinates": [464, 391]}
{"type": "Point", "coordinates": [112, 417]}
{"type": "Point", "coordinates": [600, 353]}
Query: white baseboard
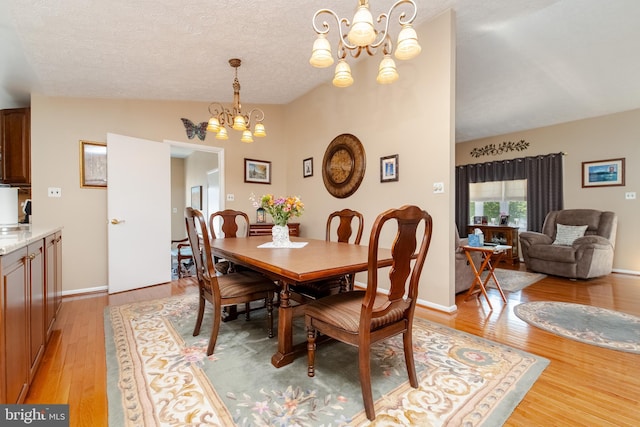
{"type": "Point", "coordinates": [631, 272]}
{"type": "Point", "coordinates": [421, 302]}
{"type": "Point", "coordinates": [85, 291]}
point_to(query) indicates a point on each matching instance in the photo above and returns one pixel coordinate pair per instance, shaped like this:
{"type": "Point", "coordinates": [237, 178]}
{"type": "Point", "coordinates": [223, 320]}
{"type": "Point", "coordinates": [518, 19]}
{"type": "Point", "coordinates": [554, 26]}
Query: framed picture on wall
{"type": "Point", "coordinates": [389, 168]}
{"type": "Point", "coordinates": [307, 167]}
{"type": "Point", "coordinates": [93, 164]}
{"type": "Point", "coordinates": [196, 197]}
{"type": "Point", "coordinates": [258, 171]}
{"type": "Point", "coordinates": [603, 173]}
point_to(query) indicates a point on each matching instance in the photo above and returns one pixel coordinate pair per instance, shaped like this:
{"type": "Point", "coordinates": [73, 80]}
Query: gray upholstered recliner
{"type": "Point", "coordinates": [464, 272]}
{"type": "Point", "coordinates": [589, 256]}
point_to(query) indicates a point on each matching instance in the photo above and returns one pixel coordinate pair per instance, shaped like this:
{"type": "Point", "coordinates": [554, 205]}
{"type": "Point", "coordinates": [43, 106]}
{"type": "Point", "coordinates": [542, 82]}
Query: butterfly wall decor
{"type": "Point", "coordinates": [199, 130]}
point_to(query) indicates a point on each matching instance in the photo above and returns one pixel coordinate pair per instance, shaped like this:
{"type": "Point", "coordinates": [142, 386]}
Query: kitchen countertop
{"type": "Point", "coordinates": [27, 233]}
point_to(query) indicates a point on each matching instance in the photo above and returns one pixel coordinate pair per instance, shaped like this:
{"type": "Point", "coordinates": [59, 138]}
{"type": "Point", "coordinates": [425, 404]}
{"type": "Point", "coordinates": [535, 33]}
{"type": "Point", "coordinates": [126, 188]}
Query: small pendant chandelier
{"type": "Point", "coordinates": [222, 117]}
{"type": "Point", "coordinates": [363, 36]}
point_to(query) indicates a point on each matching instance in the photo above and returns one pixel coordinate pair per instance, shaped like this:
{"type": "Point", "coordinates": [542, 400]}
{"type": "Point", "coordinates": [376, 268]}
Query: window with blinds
{"type": "Point", "coordinates": [497, 199]}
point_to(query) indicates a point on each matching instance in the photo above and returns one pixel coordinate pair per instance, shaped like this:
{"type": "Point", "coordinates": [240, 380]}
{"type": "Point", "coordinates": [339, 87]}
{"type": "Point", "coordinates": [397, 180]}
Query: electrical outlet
{"type": "Point", "coordinates": [230, 197]}
{"type": "Point", "coordinates": [55, 192]}
{"type": "Point", "coordinates": [438, 187]}
{"type": "Point", "coordinates": [630, 195]}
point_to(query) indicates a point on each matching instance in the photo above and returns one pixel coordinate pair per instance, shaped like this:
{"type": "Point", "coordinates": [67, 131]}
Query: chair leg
{"type": "Point", "coordinates": [202, 302]}
{"type": "Point", "coordinates": [408, 358]}
{"type": "Point", "coordinates": [364, 364]}
{"type": "Point", "coordinates": [214, 333]}
{"type": "Point", "coordinates": [269, 303]}
{"type": "Point", "coordinates": [247, 311]}
{"type": "Point", "coordinates": [311, 351]}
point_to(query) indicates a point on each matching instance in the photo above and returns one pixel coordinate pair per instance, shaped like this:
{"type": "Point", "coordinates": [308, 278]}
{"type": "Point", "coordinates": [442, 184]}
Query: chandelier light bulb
{"type": "Point", "coordinates": [407, 46]}
{"type": "Point", "coordinates": [362, 32]}
{"type": "Point", "coordinates": [321, 56]}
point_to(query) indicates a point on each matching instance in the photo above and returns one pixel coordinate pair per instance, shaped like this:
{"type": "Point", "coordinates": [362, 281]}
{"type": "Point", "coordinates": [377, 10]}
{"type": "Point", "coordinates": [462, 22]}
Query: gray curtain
{"type": "Point", "coordinates": [544, 185]}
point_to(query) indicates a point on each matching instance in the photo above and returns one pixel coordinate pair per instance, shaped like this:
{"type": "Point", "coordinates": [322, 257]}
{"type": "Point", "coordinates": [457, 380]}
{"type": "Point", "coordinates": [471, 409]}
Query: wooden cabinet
{"type": "Point", "coordinates": [14, 334]}
{"type": "Point", "coordinates": [503, 235]}
{"type": "Point", "coordinates": [15, 145]}
{"type": "Point", "coordinates": [264, 229]}
{"type": "Point", "coordinates": [25, 314]}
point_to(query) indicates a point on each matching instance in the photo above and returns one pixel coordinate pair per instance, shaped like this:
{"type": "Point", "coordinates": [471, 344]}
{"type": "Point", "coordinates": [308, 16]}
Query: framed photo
{"type": "Point", "coordinates": [258, 171]}
{"type": "Point", "coordinates": [504, 219]}
{"type": "Point", "coordinates": [93, 164]}
{"type": "Point", "coordinates": [196, 197]}
{"type": "Point", "coordinates": [603, 173]}
{"type": "Point", "coordinates": [307, 167]}
{"type": "Point", "coordinates": [389, 168]}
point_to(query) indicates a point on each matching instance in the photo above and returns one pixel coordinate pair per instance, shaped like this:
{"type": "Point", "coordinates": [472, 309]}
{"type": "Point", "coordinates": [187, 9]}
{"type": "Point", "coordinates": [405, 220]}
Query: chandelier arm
{"type": "Point", "coordinates": [340, 22]}
{"type": "Point", "coordinates": [386, 16]}
{"type": "Point", "coordinates": [259, 115]}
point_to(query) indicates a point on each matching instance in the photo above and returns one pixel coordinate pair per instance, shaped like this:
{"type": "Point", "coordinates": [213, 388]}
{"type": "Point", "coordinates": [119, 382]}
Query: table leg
{"type": "Point", "coordinates": [478, 279]}
{"type": "Point", "coordinates": [284, 355]}
{"type": "Point", "coordinates": [492, 275]}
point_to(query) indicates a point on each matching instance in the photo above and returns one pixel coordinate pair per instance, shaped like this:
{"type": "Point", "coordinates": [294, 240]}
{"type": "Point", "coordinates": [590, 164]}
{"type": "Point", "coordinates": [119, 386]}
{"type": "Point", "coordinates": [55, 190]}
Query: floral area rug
{"type": "Point", "coordinates": [159, 374]}
{"type": "Point", "coordinates": [513, 280]}
{"type": "Point", "coordinates": [584, 323]}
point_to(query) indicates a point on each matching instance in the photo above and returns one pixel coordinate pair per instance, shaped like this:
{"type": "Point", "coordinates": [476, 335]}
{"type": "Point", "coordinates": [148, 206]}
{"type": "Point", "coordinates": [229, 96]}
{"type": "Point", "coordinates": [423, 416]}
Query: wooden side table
{"type": "Point", "coordinates": [264, 229]}
{"type": "Point", "coordinates": [491, 255]}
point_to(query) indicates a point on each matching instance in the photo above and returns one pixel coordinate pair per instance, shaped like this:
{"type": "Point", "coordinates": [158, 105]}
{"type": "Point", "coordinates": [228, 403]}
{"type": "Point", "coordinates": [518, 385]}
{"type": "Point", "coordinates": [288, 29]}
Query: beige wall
{"type": "Point", "coordinates": [413, 118]}
{"type": "Point", "coordinates": [607, 137]}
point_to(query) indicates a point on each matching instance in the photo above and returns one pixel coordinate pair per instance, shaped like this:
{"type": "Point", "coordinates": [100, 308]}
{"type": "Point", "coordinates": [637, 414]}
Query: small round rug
{"type": "Point", "coordinates": [584, 323]}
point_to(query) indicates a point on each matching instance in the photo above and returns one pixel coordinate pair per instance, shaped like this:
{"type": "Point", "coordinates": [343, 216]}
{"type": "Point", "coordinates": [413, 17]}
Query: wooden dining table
{"type": "Point", "coordinates": [316, 260]}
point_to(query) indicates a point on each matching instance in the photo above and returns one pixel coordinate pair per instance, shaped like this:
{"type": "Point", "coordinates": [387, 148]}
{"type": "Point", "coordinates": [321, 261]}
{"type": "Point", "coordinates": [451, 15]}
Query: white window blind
{"type": "Point", "coordinates": [498, 191]}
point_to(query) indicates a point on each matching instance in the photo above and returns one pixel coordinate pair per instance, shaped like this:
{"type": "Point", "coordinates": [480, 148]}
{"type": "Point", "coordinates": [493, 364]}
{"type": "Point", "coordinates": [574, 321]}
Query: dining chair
{"type": "Point", "coordinates": [226, 290]}
{"type": "Point", "coordinates": [363, 318]}
{"type": "Point", "coordinates": [181, 250]}
{"type": "Point", "coordinates": [228, 220]}
{"type": "Point", "coordinates": [347, 222]}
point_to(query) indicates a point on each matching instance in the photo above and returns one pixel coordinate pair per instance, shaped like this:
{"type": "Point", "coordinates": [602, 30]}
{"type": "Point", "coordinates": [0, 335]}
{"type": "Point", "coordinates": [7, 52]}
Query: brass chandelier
{"type": "Point", "coordinates": [222, 117]}
{"type": "Point", "coordinates": [363, 36]}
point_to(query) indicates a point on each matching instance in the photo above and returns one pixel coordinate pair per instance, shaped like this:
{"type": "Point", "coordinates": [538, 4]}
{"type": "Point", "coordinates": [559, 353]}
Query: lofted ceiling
{"type": "Point", "coordinates": [521, 64]}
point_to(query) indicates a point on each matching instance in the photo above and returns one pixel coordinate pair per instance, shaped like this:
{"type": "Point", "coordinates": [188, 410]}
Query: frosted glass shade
{"type": "Point", "coordinates": [259, 131]}
{"type": "Point", "coordinates": [321, 54]}
{"type": "Point", "coordinates": [213, 125]}
{"type": "Point", "coordinates": [239, 123]}
{"type": "Point", "coordinates": [222, 134]}
{"type": "Point", "coordinates": [387, 72]}
{"type": "Point", "coordinates": [407, 46]}
{"type": "Point", "coordinates": [342, 77]}
{"type": "Point", "coordinates": [362, 32]}
{"type": "Point", "coordinates": [246, 136]}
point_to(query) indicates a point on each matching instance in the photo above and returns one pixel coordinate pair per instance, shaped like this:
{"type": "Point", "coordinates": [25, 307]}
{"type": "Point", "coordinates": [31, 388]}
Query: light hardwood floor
{"type": "Point", "coordinates": [583, 385]}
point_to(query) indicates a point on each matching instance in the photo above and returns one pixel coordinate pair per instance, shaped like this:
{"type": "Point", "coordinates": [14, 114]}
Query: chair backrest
{"type": "Point", "coordinates": [201, 249]}
{"type": "Point", "coordinates": [601, 223]}
{"type": "Point", "coordinates": [405, 271]}
{"type": "Point", "coordinates": [345, 225]}
{"type": "Point", "coordinates": [229, 226]}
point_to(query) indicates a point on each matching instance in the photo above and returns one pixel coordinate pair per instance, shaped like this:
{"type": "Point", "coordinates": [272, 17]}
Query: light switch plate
{"type": "Point", "coordinates": [630, 195]}
{"type": "Point", "coordinates": [438, 187]}
{"type": "Point", "coordinates": [230, 197]}
{"type": "Point", "coordinates": [54, 192]}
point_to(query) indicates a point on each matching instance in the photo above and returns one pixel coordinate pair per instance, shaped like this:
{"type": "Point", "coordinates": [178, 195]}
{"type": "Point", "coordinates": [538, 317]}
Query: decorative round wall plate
{"type": "Point", "coordinates": [343, 165]}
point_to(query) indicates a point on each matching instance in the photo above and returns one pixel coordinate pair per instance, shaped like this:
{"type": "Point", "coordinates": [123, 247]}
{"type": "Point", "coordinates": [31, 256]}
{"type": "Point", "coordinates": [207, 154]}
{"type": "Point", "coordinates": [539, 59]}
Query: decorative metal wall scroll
{"type": "Point", "coordinates": [503, 147]}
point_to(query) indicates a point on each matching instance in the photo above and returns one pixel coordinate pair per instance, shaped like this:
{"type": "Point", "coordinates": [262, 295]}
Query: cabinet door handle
{"type": "Point", "coordinates": [32, 257]}
{"type": "Point", "coordinates": [116, 221]}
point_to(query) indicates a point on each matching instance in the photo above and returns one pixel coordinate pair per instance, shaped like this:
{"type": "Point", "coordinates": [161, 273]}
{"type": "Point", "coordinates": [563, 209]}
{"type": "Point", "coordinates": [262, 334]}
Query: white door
{"type": "Point", "coordinates": [138, 207]}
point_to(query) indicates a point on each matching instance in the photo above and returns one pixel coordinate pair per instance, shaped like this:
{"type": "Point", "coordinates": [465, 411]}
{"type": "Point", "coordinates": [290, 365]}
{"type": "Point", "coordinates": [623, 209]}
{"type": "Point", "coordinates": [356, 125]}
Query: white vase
{"type": "Point", "coordinates": [280, 236]}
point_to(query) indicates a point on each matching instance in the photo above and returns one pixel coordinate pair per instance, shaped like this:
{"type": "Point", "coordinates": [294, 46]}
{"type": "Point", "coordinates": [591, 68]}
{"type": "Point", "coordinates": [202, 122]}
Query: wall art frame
{"type": "Point", "coordinates": [93, 164]}
{"type": "Point", "coordinates": [196, 197]}
{"type": "Point", "coordinates": [603, 173]}
{"type": "Point", "coordinates": [257, 171]}
{"type": "Point", "coordinates": [389, 168]}
{"type": "Point", "coordinates": [307, 167]}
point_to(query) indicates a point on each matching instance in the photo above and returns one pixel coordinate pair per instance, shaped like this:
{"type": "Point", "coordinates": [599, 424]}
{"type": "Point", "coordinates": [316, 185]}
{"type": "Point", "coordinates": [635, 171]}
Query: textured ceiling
{"type": "Point", "coordinates": [521, 64]}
